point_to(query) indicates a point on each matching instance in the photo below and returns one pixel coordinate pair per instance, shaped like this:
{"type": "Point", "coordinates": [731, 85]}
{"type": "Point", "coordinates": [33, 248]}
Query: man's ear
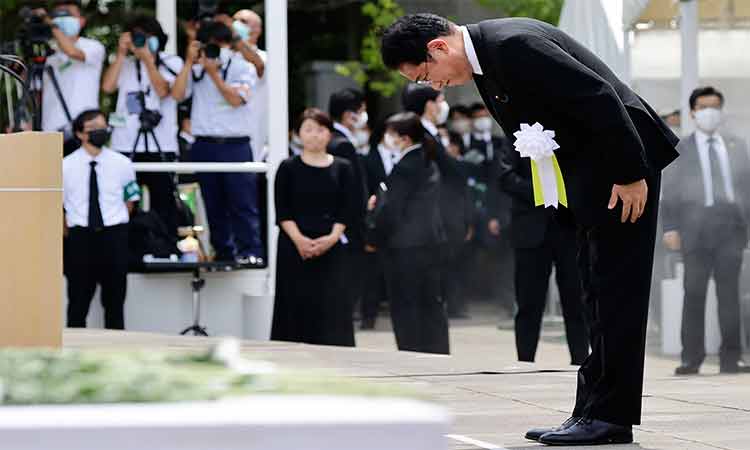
{"type": "Point", "coordinates": [438, 45]}
{"type": "Point", "coordinates": [83, 22]}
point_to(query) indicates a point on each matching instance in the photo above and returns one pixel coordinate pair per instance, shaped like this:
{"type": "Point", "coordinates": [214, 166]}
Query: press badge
{"type": "Point", "coordinates": [117, 120]}
{"type": "Point", "coordinates": [132, 191]}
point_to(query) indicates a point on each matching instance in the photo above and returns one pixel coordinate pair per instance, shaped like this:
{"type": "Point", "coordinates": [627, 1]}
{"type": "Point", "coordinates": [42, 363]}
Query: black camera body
{"type": "Point", "coordinates": [33, 30]}
{"type": "Point", "coordinates": [149, 119]}
{"type": "Point", "coordinates": [139, 39]}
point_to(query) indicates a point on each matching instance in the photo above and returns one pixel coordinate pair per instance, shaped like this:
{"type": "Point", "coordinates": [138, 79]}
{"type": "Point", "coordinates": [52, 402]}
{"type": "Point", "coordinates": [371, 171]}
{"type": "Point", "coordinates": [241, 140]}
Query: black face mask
{"type": "Point", "coordinates": [98, 138]}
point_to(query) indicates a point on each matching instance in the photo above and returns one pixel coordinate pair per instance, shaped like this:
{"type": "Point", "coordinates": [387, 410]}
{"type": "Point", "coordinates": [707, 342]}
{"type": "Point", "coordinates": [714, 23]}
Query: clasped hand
{"type": "Point", "coordinates": [314, 248]}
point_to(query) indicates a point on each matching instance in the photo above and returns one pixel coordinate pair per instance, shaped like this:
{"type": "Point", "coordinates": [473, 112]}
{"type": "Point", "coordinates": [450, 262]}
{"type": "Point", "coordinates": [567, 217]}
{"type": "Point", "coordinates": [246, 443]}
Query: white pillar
{"type": "Point", "coordinates": [278, 106]}
{"type": "Point", "coordinates": [166, 14]}
{"type": "Point", "coordinates": [689, 81]}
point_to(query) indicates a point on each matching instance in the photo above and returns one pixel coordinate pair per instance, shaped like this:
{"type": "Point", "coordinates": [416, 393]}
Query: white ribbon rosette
{"type": "Point", "coordinates": [538, 144]}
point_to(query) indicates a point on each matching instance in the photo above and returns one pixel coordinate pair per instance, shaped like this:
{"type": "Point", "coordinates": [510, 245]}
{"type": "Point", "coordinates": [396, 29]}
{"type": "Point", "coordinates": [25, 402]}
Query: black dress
{"type": "Point", "coordinates": [311, 305]}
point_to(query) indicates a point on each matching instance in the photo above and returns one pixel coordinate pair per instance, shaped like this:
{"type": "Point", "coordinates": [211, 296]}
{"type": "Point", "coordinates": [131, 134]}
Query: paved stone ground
{"type": "Point", "coordinates": [495, 399]}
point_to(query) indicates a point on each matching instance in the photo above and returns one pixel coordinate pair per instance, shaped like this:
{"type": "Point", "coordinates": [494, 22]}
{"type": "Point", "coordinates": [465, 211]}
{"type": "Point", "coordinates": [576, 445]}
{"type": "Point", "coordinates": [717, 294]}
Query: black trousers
{"type": "Point", "coordinates": [97, 257]}
{"type": "Point", "coordinates": [721, 258]}
{"type": "Point", "coordinates": [533, 268]}
{"type": "Point", "coordinates": [417, 310]}
{"type": "Point", "coordinates": [375, 291]}
{"type": "Point", "coordinates": [452, 277]}
{"type": "Point", "coordinates": [615, 261]}
{"type": "Point", "coordinates": [161, 188]}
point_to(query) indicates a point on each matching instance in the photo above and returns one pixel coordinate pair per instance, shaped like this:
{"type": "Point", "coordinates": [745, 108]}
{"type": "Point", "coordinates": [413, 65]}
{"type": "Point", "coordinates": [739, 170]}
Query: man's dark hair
{"type": "Point", "coordinates": [148, 24]}
{"type": "Point", "coordinates": [703, 92]}
{"type": "Point", "coordinates": [409, 124]}
{"type": "Point", "coordinates": [460, 109]}
{"type": "Point", "coordinates": [349, 99]}
{"type": "Point", "coordinates": [315, 115]}
{"type": "Point", "coordinates": [476, 107]}
{"type": "Point", "coordinates": [414, 97]}
{"type": "Point", "coordinates": [405, 40]}
{"type": "Point", "coordinates": [214, 31]}
{"type": "Point", "coordinates": [84, 117]}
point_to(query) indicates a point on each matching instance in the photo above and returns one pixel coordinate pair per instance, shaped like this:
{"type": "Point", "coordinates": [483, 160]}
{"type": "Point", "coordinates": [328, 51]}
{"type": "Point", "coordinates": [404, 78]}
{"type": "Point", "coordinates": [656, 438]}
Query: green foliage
{"type": "Point", "coordinates": [545, 10]}
{"type": "Point", "coordinates": [369, 71]}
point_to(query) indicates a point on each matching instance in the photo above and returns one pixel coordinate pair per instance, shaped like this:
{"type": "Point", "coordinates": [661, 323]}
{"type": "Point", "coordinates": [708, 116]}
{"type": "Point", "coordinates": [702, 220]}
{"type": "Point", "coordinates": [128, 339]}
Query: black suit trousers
{"type": "Point", "coordinates": [723, 260]}
{"type": "Point", "coordinates": [533, 268]}
{"type": "Point", "coordinates": [97, 257]}
{"type": "Point", "coordinates": [417, 310]}
{"type": "Point", "coordinates": [615, 261]}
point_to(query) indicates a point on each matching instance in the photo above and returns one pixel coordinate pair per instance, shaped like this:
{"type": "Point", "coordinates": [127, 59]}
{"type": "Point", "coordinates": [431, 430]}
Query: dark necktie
{"type": "Point", "coordinates": [95, 212]}
{"type": "Point", "coordinates": [717, 179]}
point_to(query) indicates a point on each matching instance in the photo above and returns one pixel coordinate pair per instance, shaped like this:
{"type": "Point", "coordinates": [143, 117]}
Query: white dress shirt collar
{"type": "Point", "coordinates": [485, 136]}
{"type": "Point", "coordinates": [345, 131]}
{"type": "Point", "coordinates": [430, 127]}
{"type": "Point", "coordinates": [409, 149]}
{"type": "Point", "coordinates": [471, 53]}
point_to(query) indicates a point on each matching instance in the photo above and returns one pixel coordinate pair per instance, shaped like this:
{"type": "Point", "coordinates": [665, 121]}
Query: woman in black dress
{"type": "Point", "coordinates": [313, 205]}
{"type": "Point", "coordinates": [408, 230]}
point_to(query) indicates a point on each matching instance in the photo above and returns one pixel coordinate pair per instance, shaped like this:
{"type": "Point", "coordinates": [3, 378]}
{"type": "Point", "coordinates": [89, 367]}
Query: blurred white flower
{"type": "Point", "coordinates": [534, 142]}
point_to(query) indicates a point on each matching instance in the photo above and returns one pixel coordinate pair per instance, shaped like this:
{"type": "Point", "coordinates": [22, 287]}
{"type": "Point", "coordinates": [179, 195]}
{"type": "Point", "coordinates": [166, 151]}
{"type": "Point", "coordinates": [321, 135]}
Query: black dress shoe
{"type": "Point", "coordinates": [590, 432]}
{"type": "Point", "coordinates": [535, 433]}
{"type": "Point", "coordinates": [738, 367]}
{"type": "Point", "coordinates": [687, 369]}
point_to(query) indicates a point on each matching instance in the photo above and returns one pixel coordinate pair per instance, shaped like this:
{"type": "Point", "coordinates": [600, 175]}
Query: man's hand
{"type": "Point", "coordinates": [371, 202]}
{"type": "Point", "coordinates": [211, 65]}
{"type": "Point", "coordinates": [144, 54]}
{"type": "Point", "coordinates": [672, 240]}
{"type": "Point", "coordinates": [493, 226]}
{"type": "Point", "coordinates": [193, 53]}
{"type": "Point", "coordinates": [125, 44]}
{"type": "Point", "coordinates": [633, 198]}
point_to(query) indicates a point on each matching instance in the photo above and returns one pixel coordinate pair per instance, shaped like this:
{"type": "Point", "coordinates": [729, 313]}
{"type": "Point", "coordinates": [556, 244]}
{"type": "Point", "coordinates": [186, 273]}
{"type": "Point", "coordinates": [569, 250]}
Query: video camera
{"type": "Point", "coordinates": [34, 35]}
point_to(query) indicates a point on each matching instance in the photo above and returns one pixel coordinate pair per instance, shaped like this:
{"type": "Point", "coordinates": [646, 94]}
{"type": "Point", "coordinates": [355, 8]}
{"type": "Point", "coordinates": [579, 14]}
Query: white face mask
{"type": "Point", "coordinates": [390, 143]}
{"type": "Point", "coordinates": [362, 137]}
{"type": "Point", "coordinates": [443, 111]}
{"type": "Point", "coordinates": [360, 120]}
{"type": "Point", "coordinates": [483, 124]}
{"type": "Point", "coordinates": [708, 119]}
{"type": "Point", "coordinates": [461, 126]}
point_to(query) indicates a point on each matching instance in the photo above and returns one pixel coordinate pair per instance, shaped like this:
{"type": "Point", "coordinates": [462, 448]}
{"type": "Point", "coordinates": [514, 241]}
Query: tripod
{"type": "Point", "coordinates": [197, 284]}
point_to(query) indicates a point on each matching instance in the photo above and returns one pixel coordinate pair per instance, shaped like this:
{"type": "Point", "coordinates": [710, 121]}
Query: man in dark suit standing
{"type": "Point", "coordinates": [613, 147]}
{"type": "Point", "coordinates": [707, 221]}
{"type": "Point", "coordinates": [349, 113]}
{"type": "Point", "coordinates": [539, 240]}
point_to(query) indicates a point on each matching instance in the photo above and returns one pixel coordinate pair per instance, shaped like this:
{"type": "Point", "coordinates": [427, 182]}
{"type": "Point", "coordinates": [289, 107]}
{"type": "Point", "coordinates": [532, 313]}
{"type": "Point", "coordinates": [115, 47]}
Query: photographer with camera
{"type": "Point", "coordinates": [145, 118]}
{"type": "Point", "coordinates": [221, 81]}
{"type": "Point", "coordinates": [71, 79]}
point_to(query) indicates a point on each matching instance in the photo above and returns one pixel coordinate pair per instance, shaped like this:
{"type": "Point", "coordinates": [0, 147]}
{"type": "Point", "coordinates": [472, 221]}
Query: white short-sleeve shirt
{"type": "Point", "coordinates": [125, 120]}
{"type": "Point", "coordinates": [259, 113]}
{"type": "Point", "coordinates": [115, 178]}
{"type": "Point", "coordinates": [211, 114]}
{"type": "Point", "coordinates": [79, 84]}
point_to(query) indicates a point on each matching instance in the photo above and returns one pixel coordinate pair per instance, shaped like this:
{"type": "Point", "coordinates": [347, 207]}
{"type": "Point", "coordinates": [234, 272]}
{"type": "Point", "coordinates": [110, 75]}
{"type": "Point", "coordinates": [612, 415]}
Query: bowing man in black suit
{"type": "Point", "coordinates": [705, 208]}
{"type": "Point", "coordinates": [613, 147]}
{"type": "Point", "coordinates": [409, 232]}
{"type": "Point", "coordinates": [349, 112]}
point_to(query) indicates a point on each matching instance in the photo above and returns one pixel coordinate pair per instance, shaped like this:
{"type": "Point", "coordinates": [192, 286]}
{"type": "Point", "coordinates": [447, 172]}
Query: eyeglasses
{"type": "Point", "coordinates": [425, 80]}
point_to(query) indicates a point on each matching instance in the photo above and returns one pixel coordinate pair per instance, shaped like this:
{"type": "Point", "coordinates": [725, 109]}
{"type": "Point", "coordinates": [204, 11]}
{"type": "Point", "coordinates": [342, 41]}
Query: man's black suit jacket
{"type": "Point", "coordinates": [534, 72]}
{"type": "Point", "coordinates": [374, 169]}
{"type": "Point", "coordinates": [342, 147]}
{"type": "Point", "coordinates": [683, 198]}
{"type": "Point", "coordinates": [410, 213]}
